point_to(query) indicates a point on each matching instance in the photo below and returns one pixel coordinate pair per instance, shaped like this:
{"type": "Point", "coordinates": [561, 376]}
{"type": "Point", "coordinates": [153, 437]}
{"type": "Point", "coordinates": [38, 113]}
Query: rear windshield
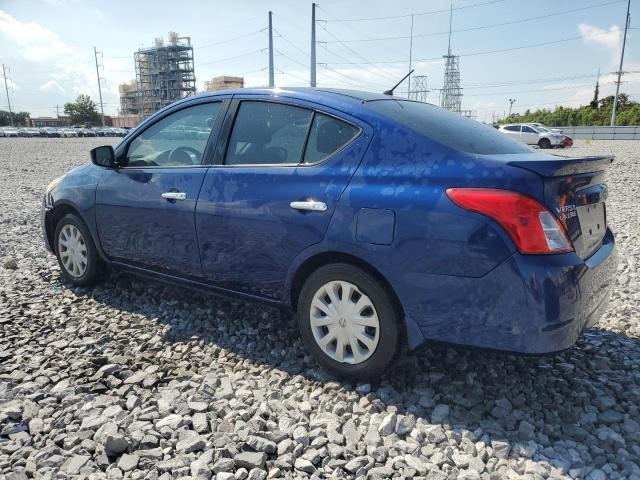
{"type": "Point", "coordinates": [450, 129]}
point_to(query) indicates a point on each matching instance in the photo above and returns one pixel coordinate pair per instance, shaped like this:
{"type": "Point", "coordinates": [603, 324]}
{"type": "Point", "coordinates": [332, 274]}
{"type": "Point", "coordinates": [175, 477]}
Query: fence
{"type": "Point", "coordinates": [603, 133]}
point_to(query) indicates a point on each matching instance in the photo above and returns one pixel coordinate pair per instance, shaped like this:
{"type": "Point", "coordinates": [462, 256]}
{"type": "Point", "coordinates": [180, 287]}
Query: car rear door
{"type": "Point", "coordinates": [145, 209]}
{"type": "Point", "coordinates": [273, 189]}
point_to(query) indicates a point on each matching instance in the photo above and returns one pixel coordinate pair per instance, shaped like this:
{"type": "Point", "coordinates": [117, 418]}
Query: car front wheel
{"type": "Point", "coordinates": [544, 143]}
{"type": "Point", "coordinates": [348, 322]}
{"type": "Point", "coordinates": [76, 252]}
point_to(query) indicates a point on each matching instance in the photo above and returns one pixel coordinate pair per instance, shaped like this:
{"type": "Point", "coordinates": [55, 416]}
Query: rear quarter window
{"type": "Point", "coordinates": [448, 128]}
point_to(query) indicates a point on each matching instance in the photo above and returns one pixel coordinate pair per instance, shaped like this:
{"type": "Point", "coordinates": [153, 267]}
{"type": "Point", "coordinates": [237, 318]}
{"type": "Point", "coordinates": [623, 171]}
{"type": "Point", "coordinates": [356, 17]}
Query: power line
{"type": "Point", "coordinates": [481, 27]}
{"type": "Point", "coordinates": [389, 17]}
{"type": "Point", "coordinates": [306, 54]}
{"type": "Point", "coordinates": [568, 87]}
{"type": "Point", "coordinates": [232, 58]}
{"type": "Point", "coordinates": [366, 62]}
{"type": "Point", "coordinates": [358, 82]}
{"type": "Point", "coordinates": [291, 75]}
{"type": "Point", "coordinates": [221, 42]}
{"type": "Point", "coordinates": [488, 52]}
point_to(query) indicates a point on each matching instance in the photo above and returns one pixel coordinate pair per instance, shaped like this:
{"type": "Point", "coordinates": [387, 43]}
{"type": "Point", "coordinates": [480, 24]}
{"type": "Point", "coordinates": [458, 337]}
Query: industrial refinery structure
{"type": "Point", "coordinates": [164, 74]}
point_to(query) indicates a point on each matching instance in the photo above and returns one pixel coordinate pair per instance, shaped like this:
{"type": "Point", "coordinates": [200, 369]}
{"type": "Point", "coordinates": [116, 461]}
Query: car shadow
{"type": "Point", "coordinates": [567, 409]}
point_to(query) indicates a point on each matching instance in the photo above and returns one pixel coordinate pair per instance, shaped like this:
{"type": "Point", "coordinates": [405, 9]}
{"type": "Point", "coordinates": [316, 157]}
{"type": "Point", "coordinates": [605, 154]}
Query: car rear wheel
{"type": "Point", "coordinates": [348, 322]}
{"type": "Point", "coordinates": [76, 252]}
{"type": "Point", "coordinates": [544, 143]}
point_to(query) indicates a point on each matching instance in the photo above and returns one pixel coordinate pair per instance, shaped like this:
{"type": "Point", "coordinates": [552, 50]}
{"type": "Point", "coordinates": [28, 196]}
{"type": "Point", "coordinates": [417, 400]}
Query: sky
{"type": "Point", "coordinates": [541, 53]}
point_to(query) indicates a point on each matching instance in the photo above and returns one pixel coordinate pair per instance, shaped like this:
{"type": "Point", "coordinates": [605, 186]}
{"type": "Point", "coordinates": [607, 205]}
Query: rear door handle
{"type": "Point", "coordinates": [174, 195]}
{"type": "Point", "coordinates": [310, 205]}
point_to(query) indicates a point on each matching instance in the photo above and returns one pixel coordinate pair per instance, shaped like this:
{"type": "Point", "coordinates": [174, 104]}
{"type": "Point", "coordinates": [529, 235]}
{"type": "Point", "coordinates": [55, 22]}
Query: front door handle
{"type": "Point", "coordinates": [310, 205]}
{"type": "Point", "coordinates": [174, 195]}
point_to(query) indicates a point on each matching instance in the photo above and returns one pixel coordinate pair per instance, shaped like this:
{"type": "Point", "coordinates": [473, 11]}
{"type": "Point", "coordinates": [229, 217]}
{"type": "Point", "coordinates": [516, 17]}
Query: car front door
{"type": "Point", "coordinates": [145, 209]}
{"type": "Point", "coordinates": [529, 135]}
{"type": "Point", "coordinates": [273, 191]}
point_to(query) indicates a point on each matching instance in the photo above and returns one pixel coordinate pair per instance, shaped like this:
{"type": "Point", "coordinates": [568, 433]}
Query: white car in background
{"type": "Point", "coordinates": [68, 132]}
{"type": "Point", "coordinates": [531, 135]}
{"type": "Point", "coordinates": [543, 126]}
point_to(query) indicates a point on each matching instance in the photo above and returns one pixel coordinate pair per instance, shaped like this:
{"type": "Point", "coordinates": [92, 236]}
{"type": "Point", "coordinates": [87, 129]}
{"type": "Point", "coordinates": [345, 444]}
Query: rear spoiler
{"type": "Point", "coordinates": [560, 166]}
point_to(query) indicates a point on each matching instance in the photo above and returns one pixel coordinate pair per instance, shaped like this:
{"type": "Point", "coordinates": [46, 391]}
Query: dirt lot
{"type": "Point", "coordinates": [138, 379]}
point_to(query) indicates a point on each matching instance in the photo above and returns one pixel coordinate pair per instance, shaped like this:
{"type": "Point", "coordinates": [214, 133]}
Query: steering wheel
{"type": "Point", "coordinates": [182, 155]}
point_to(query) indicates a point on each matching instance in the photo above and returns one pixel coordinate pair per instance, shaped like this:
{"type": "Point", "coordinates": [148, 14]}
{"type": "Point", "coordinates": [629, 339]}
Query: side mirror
{"type": "Point", "coordinates": [104, 156]}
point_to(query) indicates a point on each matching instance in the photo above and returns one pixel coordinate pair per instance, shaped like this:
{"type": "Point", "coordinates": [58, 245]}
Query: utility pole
{"type": "Point", "coordinates": [511, 102]}
{"type": "Point", "coordinates": [624, 41]}
{"type": "Point", "coordinates": [95, 53]}
{"type": "Point", "coordinates": [410, 57]}
{"type": "Point", "coordinates": [271, 73]}
{"type": "Point", "coordinates": [312, 78]}
{"type": "Point", "coordinates": [58, 112]}
{"type": "Point", "coordinates": [6, 89]}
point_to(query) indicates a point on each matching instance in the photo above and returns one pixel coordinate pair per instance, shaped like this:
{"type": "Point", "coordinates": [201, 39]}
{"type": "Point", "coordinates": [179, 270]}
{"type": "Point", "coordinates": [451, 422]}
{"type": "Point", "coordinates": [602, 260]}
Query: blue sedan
{"type": "Point", "coordinates": [384, 223]}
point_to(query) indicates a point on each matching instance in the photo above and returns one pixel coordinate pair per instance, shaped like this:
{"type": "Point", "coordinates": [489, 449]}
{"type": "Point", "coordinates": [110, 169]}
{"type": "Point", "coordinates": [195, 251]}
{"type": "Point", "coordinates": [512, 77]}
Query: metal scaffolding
{"type": "Point", "coordinates": [420, 90]}
{"type": "Point", "coordinates": [164, 73]}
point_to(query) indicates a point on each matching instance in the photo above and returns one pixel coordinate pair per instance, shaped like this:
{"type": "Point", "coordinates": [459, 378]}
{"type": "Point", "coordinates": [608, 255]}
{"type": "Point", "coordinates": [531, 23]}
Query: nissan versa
{"type": "Point", "coordinates": [382, 222]}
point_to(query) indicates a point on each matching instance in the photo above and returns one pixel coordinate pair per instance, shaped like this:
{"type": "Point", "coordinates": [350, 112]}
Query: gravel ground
{"type": "Point", "coordinates": [137, 379]}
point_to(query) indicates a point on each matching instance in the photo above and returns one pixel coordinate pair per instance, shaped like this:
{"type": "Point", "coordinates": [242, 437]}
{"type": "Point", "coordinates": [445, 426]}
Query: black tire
{"type": "Point", "coordinates": [94, 267]}
{"type": "Point", "coordinates": [544, 143]}
{"type": "Point", "coordinates": [390, 337]}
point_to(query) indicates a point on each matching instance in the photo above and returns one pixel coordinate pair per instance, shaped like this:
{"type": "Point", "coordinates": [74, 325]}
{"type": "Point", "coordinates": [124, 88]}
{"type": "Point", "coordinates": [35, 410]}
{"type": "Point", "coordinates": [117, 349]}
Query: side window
{"type": "Point", "coordinates": [268, 133]}
{"type": "Point", "coordinates": [176, 140]}
{"type": "Point", "coordinates": [512, 128]}
{"type": "Point", "coordinates": [526, 129]}
{"type": "Point", "coordinates": [327, 136]}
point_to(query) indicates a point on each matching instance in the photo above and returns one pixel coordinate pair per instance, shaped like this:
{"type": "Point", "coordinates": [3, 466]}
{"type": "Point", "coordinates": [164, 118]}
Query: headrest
{"type": "Point", "coordinates": [253, 130]}
{"type": "Point", "coordinates": [331, 136]}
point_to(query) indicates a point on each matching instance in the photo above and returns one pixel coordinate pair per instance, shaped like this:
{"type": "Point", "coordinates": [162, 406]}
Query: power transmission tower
{"type": "Point", "coordinates": [312, 77]}
{"type": "Point", "coordinates": [420, 90]}
{"type": "Point", "coordinates": [451, 93]}
{"type": "Point", "coordinates": [596, 92]}
{"type": "Point", "coordinates": [624, 42]}
{"type": "Point", "coordinates": [271, 72]}
{"type": "Point", "coordinates": [6, 89]}
{"type": "Point", "coordinates": [511, 102]}
{"type": "Point", "coordinates": [58, 112]}
{"type": "Point", "coordinates": [95, 53]}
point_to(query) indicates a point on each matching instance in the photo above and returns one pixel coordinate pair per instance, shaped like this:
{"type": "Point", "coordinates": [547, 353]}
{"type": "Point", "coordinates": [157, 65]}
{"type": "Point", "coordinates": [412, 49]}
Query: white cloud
{"type": "Point", "coordinates": [70, 70]}
{"type": "Point", "coordinates": [33, 42]}
{"type": "Point", "coordinates": [593, 35]}
{"type": "Point", "coordinates": [52, 86]}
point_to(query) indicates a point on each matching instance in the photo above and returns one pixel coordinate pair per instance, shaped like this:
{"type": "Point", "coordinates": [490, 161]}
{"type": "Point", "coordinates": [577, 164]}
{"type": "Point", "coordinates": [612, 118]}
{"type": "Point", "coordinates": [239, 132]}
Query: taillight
{"type": "Point", "coordinates": [531, 226]}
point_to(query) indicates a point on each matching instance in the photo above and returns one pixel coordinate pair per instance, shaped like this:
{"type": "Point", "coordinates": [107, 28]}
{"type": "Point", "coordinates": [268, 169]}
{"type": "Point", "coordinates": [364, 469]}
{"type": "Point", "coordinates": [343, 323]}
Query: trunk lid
{"type": "Point", "coordinates": [576, 192]}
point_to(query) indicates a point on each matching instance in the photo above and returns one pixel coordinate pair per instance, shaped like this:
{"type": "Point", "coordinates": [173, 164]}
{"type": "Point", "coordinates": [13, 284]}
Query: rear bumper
{"type": "Point", "coordinates": [531, 304]}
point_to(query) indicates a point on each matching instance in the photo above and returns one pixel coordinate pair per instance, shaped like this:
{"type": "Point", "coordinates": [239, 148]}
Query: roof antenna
{"type": "Point", "coordinates": [390, 91]}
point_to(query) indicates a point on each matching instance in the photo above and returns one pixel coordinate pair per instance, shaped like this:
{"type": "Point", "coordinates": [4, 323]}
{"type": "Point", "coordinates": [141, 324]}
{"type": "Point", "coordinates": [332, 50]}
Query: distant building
{"type": "Point", "coordinates": [129, 98]}
{"type": "Point", "coordinates": [122, 121]}
{"type": "Point", "coordinates": [164, 73]}
{"type": "Point", "coordinates": [220, 83]}
{"type": "Point", "coordinates": [39, 122]}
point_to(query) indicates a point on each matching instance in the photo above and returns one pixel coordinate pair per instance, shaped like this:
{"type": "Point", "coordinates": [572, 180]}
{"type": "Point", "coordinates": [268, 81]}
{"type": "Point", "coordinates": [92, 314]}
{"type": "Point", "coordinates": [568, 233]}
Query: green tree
{"type": "Point", "coordinates": [587, 115]}
{"type": "Point", "coordinates": [83, 110]}
{"type": "Point", "coordinates": [19, 118]}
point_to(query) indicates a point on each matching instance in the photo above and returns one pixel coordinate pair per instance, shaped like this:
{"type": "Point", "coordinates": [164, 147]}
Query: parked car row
{"type": "Point", "coordinates": [536, 134]}
{"type": "Point", "coordinates": [64, 132]}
